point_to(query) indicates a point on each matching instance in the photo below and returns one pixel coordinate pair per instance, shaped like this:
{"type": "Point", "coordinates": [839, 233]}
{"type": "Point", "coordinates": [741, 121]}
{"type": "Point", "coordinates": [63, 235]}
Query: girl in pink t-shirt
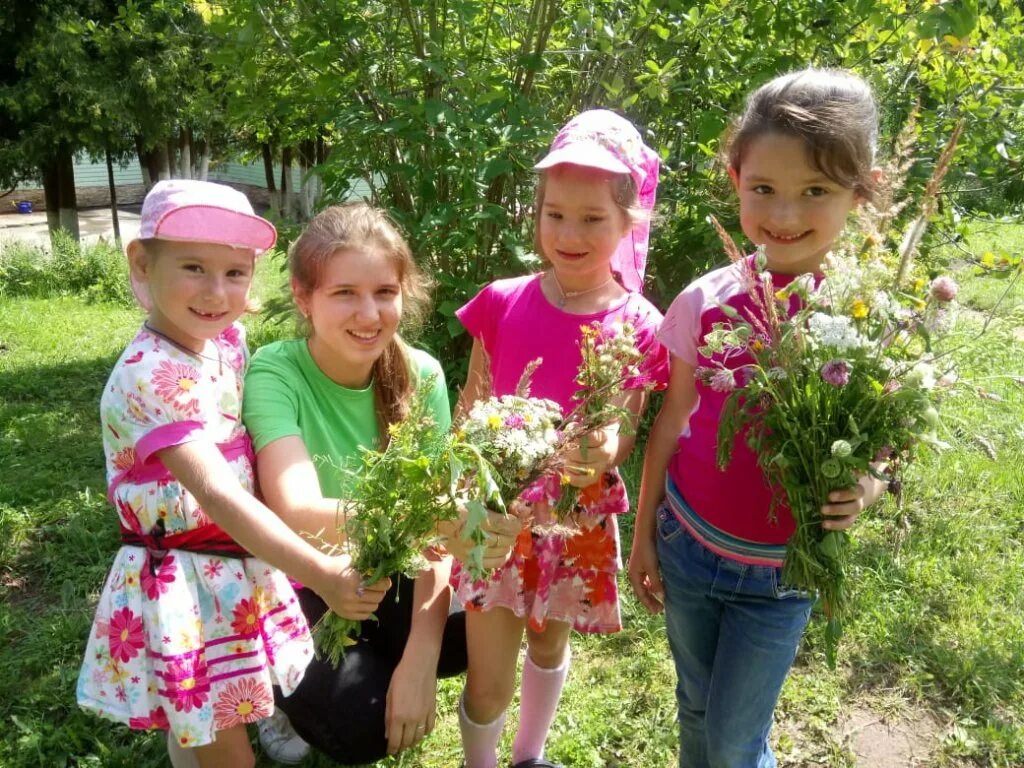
{"type": "Point", "coordinates": [801, 160]}
{"type": "Point", "coordinates": [592, 224]}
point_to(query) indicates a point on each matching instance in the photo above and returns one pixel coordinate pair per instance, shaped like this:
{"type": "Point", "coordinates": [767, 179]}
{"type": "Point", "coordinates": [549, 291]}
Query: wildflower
{"type": "Point", "coordinates": [836, 373]}
{"type": "Point", "coordinates": [514, 421]}
{"type": "Point", "coordinates": [944, 288]}
{"type": "Point", "coordinates": [834, 331]}
{"type": "Point", "coordinates": [921, 376]}
{"type": "Point", "coordinates": [841, 449]}
{"type": "Point", "coordinates": [494, 422]}
{"type": "Point", "coordinates": [859, 309]}
{"type": "Point", "coordinates": [723, 381]}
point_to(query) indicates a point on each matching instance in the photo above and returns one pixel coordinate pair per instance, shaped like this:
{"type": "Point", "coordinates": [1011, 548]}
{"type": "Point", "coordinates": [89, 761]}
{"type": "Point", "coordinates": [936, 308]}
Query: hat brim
{"type": "Point", "coordinates": [588, 155]}
{"type": "Point", "coordinates": [210, 224]}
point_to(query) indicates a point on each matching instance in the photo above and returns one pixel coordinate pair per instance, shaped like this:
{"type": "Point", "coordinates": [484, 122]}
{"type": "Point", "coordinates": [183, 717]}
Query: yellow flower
{"type": "Point", "coordinates": [782, 294]}
{"type": "Point", "coordinates": [757, 345]}
{"type": "Point", "coordinates": [919, 285]}
{"type": "Point", "coordinates": [860, 309]}
{"type": "Point", "coordinates": [494, 422]}
{"type": "Point", "coordinates": [565, 479]}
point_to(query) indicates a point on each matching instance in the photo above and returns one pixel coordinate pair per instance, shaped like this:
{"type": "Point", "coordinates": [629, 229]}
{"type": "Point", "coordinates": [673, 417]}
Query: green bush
{"type": "Point", "coordinates": [99, 272]}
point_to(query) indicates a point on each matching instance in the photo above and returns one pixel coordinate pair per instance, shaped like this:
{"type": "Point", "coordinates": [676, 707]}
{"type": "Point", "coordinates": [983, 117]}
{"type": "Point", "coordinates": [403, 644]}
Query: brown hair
{"type": "Point", "coordinates": [624, 194]}
{"type": "Point", "coordinates": [357, 226]}
{"type": "Point", "coordinates": [833, 111]}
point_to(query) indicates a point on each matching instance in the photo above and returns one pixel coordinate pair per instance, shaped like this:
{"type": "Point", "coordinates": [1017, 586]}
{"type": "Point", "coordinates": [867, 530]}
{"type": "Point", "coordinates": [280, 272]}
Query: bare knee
{"type": "Point", "coordinates": [488, 695]}
{"type": "Point", "coordinates": [550, 648]}
{"type": "Point", "coordinates": [231, 749]}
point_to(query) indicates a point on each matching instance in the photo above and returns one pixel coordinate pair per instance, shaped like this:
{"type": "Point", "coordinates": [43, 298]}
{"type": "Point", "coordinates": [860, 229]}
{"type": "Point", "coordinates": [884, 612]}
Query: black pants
{"type": "Point", "coordinates": [340, 711]}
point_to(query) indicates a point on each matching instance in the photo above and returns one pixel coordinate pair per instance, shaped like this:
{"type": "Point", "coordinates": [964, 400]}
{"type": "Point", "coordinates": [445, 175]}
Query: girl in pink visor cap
{"type": "Point", "coordinates": [594, 201]}
{"type": "Point", "coordinates": [196, 624]}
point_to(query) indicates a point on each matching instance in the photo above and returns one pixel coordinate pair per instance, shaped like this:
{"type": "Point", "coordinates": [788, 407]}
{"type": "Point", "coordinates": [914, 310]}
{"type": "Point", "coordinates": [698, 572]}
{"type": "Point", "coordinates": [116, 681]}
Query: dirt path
{"type": "Point", "coordinates": [93, 223]}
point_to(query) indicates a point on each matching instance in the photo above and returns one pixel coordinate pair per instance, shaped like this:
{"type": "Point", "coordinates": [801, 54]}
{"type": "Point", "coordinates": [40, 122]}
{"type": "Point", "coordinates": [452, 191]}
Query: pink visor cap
{"type": "Point", "coordinates": [200, 212]}
{"type": "Point", "coordinates": [204, 212]}
{"type": "Point", "coordinates": [599, 138]}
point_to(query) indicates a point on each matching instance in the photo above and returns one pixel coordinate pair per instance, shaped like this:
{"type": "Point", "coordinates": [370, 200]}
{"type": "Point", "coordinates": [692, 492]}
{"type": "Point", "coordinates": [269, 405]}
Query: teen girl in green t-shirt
{"type": "Point", "coordinates": [309, 404]}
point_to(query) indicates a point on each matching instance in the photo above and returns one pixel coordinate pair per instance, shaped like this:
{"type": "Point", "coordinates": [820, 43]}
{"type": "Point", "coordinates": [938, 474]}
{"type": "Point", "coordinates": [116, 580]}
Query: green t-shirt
{"type": "Point", "coordinates": [287, 394]}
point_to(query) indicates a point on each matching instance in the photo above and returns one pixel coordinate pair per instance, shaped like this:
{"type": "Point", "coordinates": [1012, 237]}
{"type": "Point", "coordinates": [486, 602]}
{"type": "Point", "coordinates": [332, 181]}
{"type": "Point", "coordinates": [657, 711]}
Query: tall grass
{"type": "Point", "coordinates": [97, 272]}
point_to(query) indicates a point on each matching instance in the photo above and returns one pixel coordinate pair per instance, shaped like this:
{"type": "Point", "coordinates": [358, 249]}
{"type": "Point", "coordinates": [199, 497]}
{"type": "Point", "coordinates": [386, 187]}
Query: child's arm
{"type": "Point", "coordinates": [680, 399]}
{"type": "Point", "coordinates": [412, 694]}
{"type": "Point", "coordinates": [290, 486]}
{"type": "Point", "coordinates": [477, 381]}
{"type": "Point", "coordinates": [202, 469]}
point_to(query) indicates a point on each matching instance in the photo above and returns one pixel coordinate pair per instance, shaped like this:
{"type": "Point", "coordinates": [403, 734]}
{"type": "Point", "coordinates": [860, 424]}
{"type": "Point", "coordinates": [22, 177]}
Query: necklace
{"type": "Point", "coordinates": [219, 359]}
{"type": "Point", "coordinates": [565, 295]}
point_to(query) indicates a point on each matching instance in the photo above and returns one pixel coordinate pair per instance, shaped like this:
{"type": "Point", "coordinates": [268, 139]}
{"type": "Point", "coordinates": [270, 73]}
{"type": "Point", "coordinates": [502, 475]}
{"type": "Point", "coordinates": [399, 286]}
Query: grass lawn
{"type": "Point", "coordinates": [935, 651]}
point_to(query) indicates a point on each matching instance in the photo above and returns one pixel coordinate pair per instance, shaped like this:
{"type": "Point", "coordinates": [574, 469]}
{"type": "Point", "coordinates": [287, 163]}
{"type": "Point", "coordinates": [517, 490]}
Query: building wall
{"type": "Point", "coordinates": [92, 185]}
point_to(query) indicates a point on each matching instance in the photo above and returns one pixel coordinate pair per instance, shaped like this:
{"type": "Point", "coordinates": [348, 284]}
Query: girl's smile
{"type": "Point", "coordinates": [580, 225]}
{"type": "Point", "coordinates": [355, 312]}
{"type": "Point", "coordinates": [788, 205]}
{"type": "Point", "coordinates": [197, 289]}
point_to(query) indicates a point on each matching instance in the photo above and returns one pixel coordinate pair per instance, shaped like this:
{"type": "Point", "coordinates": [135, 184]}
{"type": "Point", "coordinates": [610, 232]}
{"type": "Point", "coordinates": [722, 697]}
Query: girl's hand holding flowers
{"type": "Point", "coordinates": [845, 505]}
{"type": "Point", "coordinates": [352, 598]}
{"type": "Point", "coordinates": [500, 532]}
{"type": "Point", "coordinates": [592, 456]}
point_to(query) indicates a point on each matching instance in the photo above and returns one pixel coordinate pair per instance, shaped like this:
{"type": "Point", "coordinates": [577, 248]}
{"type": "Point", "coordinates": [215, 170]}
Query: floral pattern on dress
{"type": "Point", "coordinates": [553, 576]}
{"type": "Point", "coordinates": [183, 641]}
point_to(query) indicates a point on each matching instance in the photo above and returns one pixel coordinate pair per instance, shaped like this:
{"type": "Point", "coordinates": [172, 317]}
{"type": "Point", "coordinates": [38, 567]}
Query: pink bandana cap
{"type": "Point", "coordinates": [599, 138]}
{"type": "Point", "coordinates": [200, 212]}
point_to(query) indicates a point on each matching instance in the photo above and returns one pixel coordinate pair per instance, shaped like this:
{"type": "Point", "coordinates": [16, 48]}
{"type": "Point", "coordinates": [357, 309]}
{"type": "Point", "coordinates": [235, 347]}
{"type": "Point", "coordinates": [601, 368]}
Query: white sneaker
{"type": "Point", "coordinates": [279, 740]}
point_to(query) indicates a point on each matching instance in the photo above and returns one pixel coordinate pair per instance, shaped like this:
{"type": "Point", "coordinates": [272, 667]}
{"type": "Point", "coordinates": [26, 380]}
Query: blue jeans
{"type": "Point", "coordinates": [734, 632]}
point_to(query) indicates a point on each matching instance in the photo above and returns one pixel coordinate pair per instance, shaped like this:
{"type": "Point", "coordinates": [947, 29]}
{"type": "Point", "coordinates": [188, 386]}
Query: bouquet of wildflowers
{"type": "Point", "coordinates": [526, 439]}
{"type": "Point", "coordinates": [394, 500]}
{"type": "Point", "coordinates": [396, 497]}
{"type": "Point", "coordinates": [838, 377]}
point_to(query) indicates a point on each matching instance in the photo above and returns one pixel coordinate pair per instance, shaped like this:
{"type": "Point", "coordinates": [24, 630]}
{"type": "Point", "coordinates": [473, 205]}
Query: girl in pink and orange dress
{"type": "Point", "coordinates": [593, 207]}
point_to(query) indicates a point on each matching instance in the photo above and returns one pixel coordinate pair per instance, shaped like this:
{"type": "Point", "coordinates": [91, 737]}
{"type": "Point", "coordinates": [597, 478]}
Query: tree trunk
{"type": "Point", "coordinates": [268, 170]}
{"type": "Point", "coordinates": [172, 158]}
{"type": "Point", "coordinates": [51, 195]}
{"type": "Point", "coordinates": [147, 177]}
{"type": "Point", "coordinates": [113, 199]}
{"type": "Point", "coordinates": [68, 196]}
{"type": "Point", "coordinates": [286, 181]}
{"type": "Point", "coordinates": [310, 182]}
{"type": "Point", "coordinates": [204, 160]}
{"type": "Point", "coordinates": [59, 192]}
{"type": "Point", "coordinates": [185, 153]}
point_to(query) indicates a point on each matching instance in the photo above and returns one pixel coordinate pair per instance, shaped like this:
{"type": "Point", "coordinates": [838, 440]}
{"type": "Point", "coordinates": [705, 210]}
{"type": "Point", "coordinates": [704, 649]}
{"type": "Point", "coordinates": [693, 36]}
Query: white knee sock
{"type": "Point", "coordinates": [480, 742]}
{"type": "Point", "coordinates": [538, 701]}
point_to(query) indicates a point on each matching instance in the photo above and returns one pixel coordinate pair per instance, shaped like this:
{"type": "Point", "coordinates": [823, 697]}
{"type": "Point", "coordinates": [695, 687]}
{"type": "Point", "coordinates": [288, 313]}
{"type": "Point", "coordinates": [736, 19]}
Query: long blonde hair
{"type": "Point", "coordinates": [359, 226]}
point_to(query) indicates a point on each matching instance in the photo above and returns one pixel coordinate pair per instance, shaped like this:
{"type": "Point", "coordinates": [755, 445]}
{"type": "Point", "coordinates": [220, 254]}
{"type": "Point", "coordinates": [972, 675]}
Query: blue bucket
{"type": "Point", "coordinates": [23, 206]}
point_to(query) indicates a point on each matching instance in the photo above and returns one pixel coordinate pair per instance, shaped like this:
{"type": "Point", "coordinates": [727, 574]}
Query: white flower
{"type": "Point", "coordinates": [921, 376]}
{"type": "Point", "coordinates": [836, 331]}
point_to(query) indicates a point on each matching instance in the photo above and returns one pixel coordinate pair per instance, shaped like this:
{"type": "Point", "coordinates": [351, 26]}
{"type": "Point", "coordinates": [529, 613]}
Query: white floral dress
{"type": "Point", "coordinates": [184, 640]}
